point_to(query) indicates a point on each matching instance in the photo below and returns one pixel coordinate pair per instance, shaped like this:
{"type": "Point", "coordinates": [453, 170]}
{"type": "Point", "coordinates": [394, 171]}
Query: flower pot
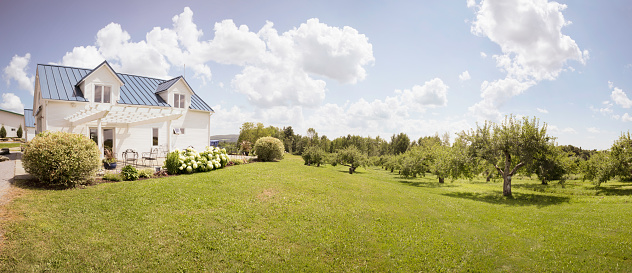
{"type": "Point", "coordinates": [109, 166]}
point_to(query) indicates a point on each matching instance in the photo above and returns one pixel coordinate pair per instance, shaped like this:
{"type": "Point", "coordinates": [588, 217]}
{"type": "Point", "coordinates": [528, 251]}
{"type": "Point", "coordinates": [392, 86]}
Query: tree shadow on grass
{"type": "Point", "coordinates": [518, 199]}
{"type": "Point", "coordinates": [426, 184]}
{"type": "Point", "coordinates": [616, 190]}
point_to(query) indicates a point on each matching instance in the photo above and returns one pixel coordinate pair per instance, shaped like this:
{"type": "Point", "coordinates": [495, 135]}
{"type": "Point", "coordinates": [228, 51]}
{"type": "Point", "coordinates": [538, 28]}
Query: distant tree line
{"type": "Point", "coordinates": [492, 150]}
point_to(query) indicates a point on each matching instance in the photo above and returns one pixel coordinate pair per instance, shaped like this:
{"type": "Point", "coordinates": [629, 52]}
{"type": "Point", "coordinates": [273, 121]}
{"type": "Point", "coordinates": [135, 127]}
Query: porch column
{"type": "Point", "coordinates": [100, 137]}
{"type": "Point", "coordinates": [168, 135]}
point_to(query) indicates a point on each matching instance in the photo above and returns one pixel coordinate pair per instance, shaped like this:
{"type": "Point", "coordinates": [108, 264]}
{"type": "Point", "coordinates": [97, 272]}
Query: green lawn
{"type": "Point", "coordinates": [287, 217]}
{"type": "Point", "coordinates": [10, 145]}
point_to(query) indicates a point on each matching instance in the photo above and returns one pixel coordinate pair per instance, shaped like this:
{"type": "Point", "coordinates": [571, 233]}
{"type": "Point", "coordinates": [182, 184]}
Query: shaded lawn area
{"type": "Point", "coordinates": [285, 216]}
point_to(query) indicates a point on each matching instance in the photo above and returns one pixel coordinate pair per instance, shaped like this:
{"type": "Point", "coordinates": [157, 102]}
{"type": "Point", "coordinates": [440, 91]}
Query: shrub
{"type": "Point", "coordinates": [129, 173]}
{"type": "Point", "coordinates": [145, 173]}
{"type": "Point", "coordinates": [352, 158]}
{"type": "Point", "coordinates": [112, 177]}
{"type": "Point", "coordinates": [314, 155]}
{"type": "Point", "coordinates": [19, 132]}
{"type": "Point", "coordinates": [269, 148]}
{"type": "Point", "coordinates": [190, 161]}
{"type": "Point", "coordinates": [59, 158]}
{"type": "Point", "coordinates": [172, 162]}
{"type": "Point", "coordinates": [3, 132]}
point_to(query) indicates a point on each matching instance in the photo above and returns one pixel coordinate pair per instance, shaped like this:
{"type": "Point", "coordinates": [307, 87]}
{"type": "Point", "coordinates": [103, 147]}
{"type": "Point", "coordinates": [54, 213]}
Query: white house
{"type": "Point", "coordinates": [120, 111]}
{"type": "Point", "coordinates": [11, 122]}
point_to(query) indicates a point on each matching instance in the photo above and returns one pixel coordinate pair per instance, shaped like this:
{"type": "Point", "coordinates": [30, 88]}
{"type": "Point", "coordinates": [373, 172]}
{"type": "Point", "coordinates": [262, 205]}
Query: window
{"type": "Point", "coordinates": [154, 137]}
{"type": "Point", "coordinates": [178, 100]}
{"type": "Point", "coordinates": [102, 93]}
{"type": "Point", "coordinates": [178, 131]}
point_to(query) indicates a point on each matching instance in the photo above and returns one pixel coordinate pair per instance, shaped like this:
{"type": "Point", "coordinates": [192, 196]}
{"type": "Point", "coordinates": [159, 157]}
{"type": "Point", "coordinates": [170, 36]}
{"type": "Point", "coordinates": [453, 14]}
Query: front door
{"type": "Point", "coordinates": [108, 138]}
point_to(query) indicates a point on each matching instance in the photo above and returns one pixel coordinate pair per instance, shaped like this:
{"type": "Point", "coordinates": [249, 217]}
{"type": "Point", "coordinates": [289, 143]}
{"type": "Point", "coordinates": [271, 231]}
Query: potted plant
{"type": "Point", "coordinates": [109, 162]}
{"type": "Point", "coordinates": [246, 146]}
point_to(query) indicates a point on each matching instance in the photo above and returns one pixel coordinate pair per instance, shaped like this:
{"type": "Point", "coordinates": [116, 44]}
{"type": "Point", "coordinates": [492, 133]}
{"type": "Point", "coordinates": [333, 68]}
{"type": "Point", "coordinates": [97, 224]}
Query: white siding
{"type": "Point", "coordinates": [12, 122]}
{"type": "Point", "coordinates": [139, 138]}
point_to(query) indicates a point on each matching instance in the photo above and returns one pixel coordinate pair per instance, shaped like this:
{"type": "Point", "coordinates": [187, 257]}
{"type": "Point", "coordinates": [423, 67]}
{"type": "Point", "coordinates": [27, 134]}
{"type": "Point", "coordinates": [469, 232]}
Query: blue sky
{"type": "Point", "coordinates": [350, 67]}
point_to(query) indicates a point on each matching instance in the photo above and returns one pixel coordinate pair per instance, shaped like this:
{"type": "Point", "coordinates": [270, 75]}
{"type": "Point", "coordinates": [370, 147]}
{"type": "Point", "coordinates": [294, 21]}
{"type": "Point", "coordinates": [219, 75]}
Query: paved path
{"type": "Point", "coordinates": [7, 172]}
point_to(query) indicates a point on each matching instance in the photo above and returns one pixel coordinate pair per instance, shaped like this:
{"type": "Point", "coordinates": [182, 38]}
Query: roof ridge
{"type": "Point", "coordinates": [65, 66]}
{"type": "Point", "coordinates": [91, 69]}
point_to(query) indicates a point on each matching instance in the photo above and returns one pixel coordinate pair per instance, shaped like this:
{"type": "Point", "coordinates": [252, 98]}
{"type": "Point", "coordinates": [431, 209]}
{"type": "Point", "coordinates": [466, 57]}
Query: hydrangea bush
{"type": "Point", "coordinates": [190, 160]}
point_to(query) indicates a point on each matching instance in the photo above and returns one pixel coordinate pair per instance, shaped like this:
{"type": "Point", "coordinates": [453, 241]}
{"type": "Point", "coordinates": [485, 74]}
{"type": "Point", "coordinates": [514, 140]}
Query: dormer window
{"type": "Point", "coordinates": [178, 100]}
{"type": "Point", "coordinates": [102, 93]}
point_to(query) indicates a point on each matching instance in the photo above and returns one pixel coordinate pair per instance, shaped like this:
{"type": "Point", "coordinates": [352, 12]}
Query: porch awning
{"type": "Point", "coordinates": [123, 114]}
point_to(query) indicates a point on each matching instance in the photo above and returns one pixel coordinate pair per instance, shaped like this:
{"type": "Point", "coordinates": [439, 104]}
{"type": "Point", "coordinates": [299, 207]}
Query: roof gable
{"type": "Point", "coordinates": [168, 84]}
{"type": "Point", "coordinates": [103, 65]}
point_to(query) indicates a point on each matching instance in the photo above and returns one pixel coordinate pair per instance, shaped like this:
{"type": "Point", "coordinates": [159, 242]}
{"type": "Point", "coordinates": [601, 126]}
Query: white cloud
{"type": "Point", "coordinates": [529, 34]}
{"type": "Point", "coordinates": [593, 130]}
{"type": "Point", "coordinates": [12, 103]}
{"type": "Point", "coordinates": [278, 69]}
{"type": "Point", "coordinates": [16, 70]}
{"type": "Point", "coordinates": [83, 57]}
{"type": "Point", "coordinates": [619, 97]}
{"type": "Point", "coordinates": [543, 111]}
{"type": "Point", "coordinates": [279, 86]}
{"type": "Point", "coordinates": [556, 130]}
{"type": "Point", "coordinates": [471, 3]}
{"type": "Point", "coordinates": [432, 93]}
{"type": "Point", "coordinates": [626, 118]}
{"type": "Point", "coordinates": [332, 52]}
{"type": "Point", "coordinates": [483, 55]}
{"type": "Point", "coordinates": [465, 76]}
{"type": "Point", "coordinates": [534, 48]}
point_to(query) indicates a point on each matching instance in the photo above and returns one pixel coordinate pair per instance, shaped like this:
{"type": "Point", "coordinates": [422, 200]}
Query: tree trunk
{"type": "Point", "coordinates": [544, 182]}
{"type": "Point", "coordinates": [351, 169]}
{"type": "Point", "coordinates": [507, 185]}
{"type": "Point", "coordinates": [441, 180]}
{"type": "Point", "coordinates": [507, 173]}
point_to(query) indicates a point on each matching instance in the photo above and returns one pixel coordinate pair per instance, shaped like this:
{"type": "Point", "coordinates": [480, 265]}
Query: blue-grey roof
{"type": "Point", "coordinates": [165, 85]}
{"type": "Point", "coordinates": [29, 120]}
{"type": "Point", "coordinates": [61, 83]}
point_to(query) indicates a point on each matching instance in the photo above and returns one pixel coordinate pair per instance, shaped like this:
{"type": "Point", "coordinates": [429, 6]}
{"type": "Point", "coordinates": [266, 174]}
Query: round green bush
{"type": "Point", "coordinates": [269, 148]}
{"type": "Point", "coordinates": [61, 159]}
{"type": "Point", "coordinates": [129, 173]}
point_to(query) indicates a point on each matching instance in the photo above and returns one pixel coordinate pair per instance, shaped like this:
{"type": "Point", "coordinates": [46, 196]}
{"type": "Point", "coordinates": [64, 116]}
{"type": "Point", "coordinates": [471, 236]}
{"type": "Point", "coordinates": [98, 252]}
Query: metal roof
{"type": "Point", "coordinates": [165, 85]}
{"type": "Point", "coordinates": [61, 83]}
{"type": "Point", "coordinates": [29, 120]}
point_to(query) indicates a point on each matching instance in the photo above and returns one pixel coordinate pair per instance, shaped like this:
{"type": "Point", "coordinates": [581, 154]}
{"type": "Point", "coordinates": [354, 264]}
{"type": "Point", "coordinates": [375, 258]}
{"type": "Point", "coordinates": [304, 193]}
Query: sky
{"type": "Point", "coordinates": [369, 68]}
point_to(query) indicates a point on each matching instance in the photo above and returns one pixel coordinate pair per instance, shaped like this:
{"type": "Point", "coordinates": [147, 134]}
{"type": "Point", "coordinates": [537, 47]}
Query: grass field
{"type": "Point", "coordinates": [10, 145]}
{"type": "Point", "coordinates": [287, 217]}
